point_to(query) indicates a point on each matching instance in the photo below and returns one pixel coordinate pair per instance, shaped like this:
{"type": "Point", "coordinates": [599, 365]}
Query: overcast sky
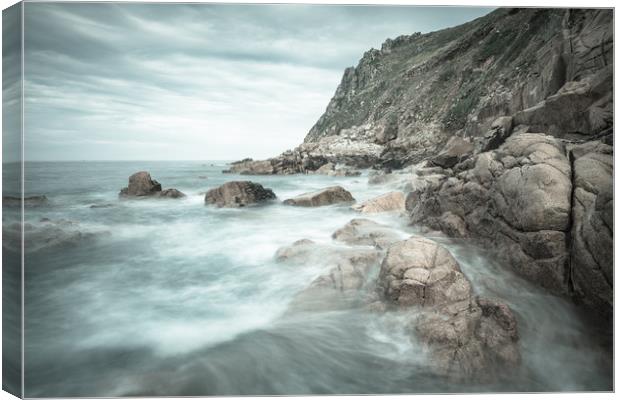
{"type": "Point", "coordinates": [194, 82]}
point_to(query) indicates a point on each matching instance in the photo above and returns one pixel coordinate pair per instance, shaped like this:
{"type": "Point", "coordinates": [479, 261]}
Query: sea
{"type": "Point", "coordinates": [171, 297]}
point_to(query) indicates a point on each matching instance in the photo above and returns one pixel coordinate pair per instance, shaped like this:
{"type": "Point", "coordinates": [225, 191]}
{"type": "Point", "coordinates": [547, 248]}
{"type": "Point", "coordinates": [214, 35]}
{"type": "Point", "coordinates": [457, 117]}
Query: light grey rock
{"type": "Point", "coordinates": [592, 229]}
{"type": "Point", "coordinates": [516, 200]}
{"type": "Point", "coordinates": [364, 232]}
{"type": "Point", "coordinates": [238, 194]}
{"type": "Point", "coordinates": [392, 201]}
{"type": "Point", "coordinates": [323, 197]}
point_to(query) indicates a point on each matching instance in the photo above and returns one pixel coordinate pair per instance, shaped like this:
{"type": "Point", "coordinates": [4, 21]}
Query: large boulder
{"type": "Point", "coordinates": [592, 228]}
{"type": "Point", "coordinates": [516, 200]}
{"type": "Point", "coordinates": [364, 232]}
{"type": "Point", "coordinates": [323, 197]}
{"type": "Point", "coordinates": [393, 201]}
{"type": "Point", "coordinates": [420, 272]}
{"type": "Point", "coordinates": [467, 338]}
{"type": "Point", "coordinates": [238, 194]}
{"type": "Point", "coordinates": [141, 184]}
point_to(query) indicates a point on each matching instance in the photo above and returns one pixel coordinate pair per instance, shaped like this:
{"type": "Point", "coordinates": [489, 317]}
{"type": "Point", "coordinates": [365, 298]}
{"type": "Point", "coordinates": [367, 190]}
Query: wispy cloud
{"type": "Point", "coordinates": [116, 81]}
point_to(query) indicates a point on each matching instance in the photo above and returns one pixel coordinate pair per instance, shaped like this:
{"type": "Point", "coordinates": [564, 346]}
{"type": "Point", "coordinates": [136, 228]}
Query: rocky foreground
{"type": "Point", "coordinates": [499, 130]}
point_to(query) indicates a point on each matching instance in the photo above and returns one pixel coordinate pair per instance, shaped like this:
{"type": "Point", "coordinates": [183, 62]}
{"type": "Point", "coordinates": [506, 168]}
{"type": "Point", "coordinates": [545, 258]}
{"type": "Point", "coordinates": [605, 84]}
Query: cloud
{"type": "Point", "coordinates": [116, 81]}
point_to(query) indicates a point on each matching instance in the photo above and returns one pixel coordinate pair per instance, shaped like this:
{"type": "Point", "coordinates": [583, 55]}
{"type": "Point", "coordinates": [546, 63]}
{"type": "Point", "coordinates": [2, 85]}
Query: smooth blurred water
{"type": "Point", "coordinates": [173, 297]}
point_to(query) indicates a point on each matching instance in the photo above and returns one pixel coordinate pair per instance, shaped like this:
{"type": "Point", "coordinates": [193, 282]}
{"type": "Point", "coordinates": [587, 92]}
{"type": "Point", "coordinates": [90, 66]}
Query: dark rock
{"type": "Point", "coordinates": [455, 150]}
{"type": "Point", "coordinates": [171, 194]}
{"type": "Point", "coordinates": [141, 184]}
{"type": "Point", "coordinates": [238, 194]}
{"type": "Point", "coordinates": [30, 201]}
{"type": "Point", "coordinates": [323, 197]}
{"type": "Point", "coordinates": [500, 130]}
{"type": "Point", "coordinates": [105, 205]}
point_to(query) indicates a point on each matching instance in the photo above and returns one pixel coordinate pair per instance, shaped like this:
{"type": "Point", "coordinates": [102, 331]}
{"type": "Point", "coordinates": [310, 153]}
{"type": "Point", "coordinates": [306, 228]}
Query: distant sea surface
{"type": "Point", "coordinates": [172, 297]}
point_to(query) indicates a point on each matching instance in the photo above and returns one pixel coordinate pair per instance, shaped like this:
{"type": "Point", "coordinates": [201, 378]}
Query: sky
{"type": "Point", "coordinates": [194, 81]}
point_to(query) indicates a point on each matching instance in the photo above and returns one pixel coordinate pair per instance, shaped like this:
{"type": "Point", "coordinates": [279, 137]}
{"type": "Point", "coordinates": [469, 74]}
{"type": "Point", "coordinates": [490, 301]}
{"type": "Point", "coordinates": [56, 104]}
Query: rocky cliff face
{"type": "Point", "coordinates": [549, 69]}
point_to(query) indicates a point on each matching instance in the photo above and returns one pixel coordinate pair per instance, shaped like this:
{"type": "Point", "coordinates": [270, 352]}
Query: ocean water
{"type": "Point", "coordinates": [172, 297]}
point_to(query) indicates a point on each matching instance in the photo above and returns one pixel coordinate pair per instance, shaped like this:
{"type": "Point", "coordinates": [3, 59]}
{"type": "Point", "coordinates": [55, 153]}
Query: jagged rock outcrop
{"type": "Point", "coordinates": [238, 194]}
{"type": "Point", "coordinates": [392, 201]}
{"type": "Point", "coordinates": [469, 338]}
{"type": "Point", "coordinates": [142, 185]}
{"type": "Point", "coordinates": [323, 197]}
{"type": "Point", "coordinates": [517, 199]}
{"type": "Point", "coordinates": [543, 206]}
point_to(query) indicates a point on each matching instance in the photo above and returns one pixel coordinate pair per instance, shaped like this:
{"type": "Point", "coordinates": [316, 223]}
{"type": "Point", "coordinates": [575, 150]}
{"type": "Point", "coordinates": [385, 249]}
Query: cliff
{"type": "Point", "coordinates": [402, 103]}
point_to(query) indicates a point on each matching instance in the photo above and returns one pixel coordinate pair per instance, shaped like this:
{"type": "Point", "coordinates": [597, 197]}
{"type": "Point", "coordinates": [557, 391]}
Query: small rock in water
{"type": "Point", "coordinates": [141, 185]}
{"type": "Point", "coordinates": [323, 197]}
{"type": "Point", "coordinates": [106, 205]}
{"type": "Point", "coordinates": [238, 194]}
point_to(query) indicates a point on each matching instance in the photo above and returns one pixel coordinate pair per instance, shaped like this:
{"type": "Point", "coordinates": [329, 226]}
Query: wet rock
{"type": "Point", "coordinates": [30, 201]}
{"type": "Point", "coordinates": [592, 228]}
{"type": "Point", "coordinates": [338, 288]}
{"type": "Point", "coordinates": [105, 205]}
{"type": "Point", "coordinates": [141, 184]}
{"type": "Point", "coordinates": [364, 232]}
{"type": "Point", "coordinates": [467, 338]}
{"type": "Point", "coordinates": [393, 201]}
{"type": "Point", "coordinates": [323, 197]}
{"type": "Point", "coordinates": [478, 342]}
{"type": "Point", "coordinates": [46, 234]}
{"type": "Point", "coordinates": [171, 194]}
{"type": "Point", "coordinates": [238, 194]}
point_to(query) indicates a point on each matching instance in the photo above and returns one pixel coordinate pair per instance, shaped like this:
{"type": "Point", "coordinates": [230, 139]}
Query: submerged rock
{"type": "Point", "coordinates": [393, 201]}
{"type": "Point", "coordinates": [348, 270]}
{"type": "Point", "coordinates": [47, 234]}
{"type": "Point", "coordinates": [30, 201]}
{"type": "Point", "coordinates": [323, 197]}
{"type": "Point", "coordinates": [364, 232]}
{"type": "Point", "coordinates": [238, 194]}
{"type": "Point", "coordinates": [171, 194]}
